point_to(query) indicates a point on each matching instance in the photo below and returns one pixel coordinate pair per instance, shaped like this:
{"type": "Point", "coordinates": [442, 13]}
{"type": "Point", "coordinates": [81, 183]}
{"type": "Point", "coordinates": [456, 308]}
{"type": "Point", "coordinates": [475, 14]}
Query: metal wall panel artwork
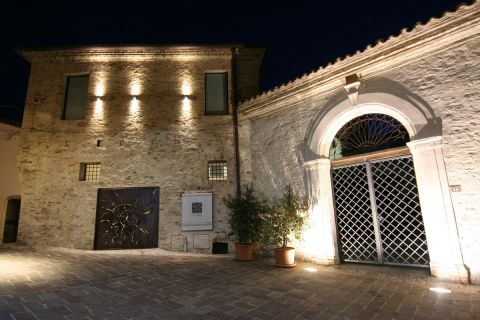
{"type": "Point", "coordinates": [127, 218]}
{"type": "Point", "coordinates": [378, 213]}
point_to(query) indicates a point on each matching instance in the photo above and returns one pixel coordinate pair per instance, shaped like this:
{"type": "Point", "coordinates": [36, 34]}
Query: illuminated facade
{"type": "Point", "coordinates": [147, 124]}
{"type": "Point", "coordinates": [111, 118]}
{"type": "Point", "coordinates": [324, 131]}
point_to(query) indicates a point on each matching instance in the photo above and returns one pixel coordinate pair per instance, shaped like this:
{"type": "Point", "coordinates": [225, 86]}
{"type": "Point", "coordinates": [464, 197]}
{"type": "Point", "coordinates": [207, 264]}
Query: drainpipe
{"type": "Point", "coordinates": [235, 119]}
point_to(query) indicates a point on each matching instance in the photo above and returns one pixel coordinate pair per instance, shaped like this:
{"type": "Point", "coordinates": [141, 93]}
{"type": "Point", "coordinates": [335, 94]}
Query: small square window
{"type": "Point", "coordinates": [217, 171]}
{"type": "Point", "coordinates": [216, 93]}
{"type": "Point", "coordinates": [89, 171]}
{"type": "Point", "coordinates": [76, 96]}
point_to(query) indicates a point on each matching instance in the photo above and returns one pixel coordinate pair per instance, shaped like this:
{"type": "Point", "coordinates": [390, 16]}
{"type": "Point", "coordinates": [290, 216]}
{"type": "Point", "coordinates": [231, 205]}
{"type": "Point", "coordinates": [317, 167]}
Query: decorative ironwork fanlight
{"type": "Point", "coordinates": [368, 133]}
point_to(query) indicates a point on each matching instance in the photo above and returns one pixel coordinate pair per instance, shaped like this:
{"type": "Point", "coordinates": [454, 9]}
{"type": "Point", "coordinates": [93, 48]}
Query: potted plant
{"type": "Point", "coordinates": [245, 221]}
{"type": "Point", "coordinates": [283, 221]}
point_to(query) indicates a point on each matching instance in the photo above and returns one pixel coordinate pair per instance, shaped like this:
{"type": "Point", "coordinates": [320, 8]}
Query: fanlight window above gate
{"type": "Point", "coordinates": [368, 133]}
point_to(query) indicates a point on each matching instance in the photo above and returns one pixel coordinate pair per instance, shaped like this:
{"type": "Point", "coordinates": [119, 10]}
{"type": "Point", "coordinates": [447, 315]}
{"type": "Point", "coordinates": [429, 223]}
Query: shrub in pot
{"type": "Point", "coordinates": [244, 218]}
{"type": "Point", "coordinates": [284, 221]}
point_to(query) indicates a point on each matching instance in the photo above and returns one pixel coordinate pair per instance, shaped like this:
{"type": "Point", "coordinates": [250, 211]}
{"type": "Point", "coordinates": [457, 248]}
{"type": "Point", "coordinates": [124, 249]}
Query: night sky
{"type": "Point", "coordinates": [301, 37]}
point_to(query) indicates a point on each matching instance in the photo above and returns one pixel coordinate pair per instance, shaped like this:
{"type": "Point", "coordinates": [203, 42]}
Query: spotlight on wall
{"type": "Point", "coordinates": [135, 89]}
{"type": "Point", "coordinates": [186, 103]}
{"type": "Point", "coordinates": [134, 105]}
{"type": "Point", "coordinates": [186, 89]}
{"type": "Point", "coordinates": [99, 90]}
{"type": "Point", "coordinates": [98, 106]}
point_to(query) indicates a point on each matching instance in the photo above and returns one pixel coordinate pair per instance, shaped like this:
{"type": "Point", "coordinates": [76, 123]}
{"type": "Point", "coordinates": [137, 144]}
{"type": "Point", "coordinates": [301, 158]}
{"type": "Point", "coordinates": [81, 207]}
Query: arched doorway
{"type": "Point", "coordinates": [377, 208]}
{"type": "Point", "coordinates": [425, 146]}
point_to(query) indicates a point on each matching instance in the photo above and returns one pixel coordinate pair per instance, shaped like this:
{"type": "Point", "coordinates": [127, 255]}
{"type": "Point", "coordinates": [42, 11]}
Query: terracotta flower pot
{"type": "Point", "coordinates": [244, 251]}
{"type": "Point", "coordinates": [285, 257]}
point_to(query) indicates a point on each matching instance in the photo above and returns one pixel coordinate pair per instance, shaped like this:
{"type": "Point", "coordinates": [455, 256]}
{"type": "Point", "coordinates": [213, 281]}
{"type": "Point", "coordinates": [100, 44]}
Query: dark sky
{"type": "Point", "coordinates": [302, 36]}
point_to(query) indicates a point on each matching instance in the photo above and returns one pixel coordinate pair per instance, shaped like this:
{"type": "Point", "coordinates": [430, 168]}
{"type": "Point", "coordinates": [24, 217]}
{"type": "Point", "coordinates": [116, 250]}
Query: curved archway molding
{"type": "Point", "coordinates": [425, 144]}
{"type": "Point", "coordinates": [417, 118]}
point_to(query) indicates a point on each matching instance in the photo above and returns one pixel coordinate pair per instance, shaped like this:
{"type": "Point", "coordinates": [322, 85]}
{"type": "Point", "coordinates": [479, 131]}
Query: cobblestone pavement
{"type": "Point", "coordinates": [52, 283]}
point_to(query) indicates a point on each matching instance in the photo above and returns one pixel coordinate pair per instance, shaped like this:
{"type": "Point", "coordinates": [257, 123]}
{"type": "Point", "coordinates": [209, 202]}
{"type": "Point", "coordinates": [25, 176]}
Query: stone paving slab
{"type": "Point", "coordinates": [55, 283]}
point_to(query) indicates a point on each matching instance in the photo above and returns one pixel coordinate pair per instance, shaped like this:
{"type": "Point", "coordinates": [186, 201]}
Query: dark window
{"type": "Point", "coordinates": [89, 171]}
{"type": "Point", "coordinates": [76, 98]}
{"type": "Point", "coordinates": [217, 170]}
{"type": "Point", "coordinates": [216, 93]}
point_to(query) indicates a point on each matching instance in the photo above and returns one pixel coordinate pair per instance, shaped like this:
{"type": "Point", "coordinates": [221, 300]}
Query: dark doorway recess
{"type": "Point", "coordinates": [11, 221]}
{"type": "Point", "coordinates": [127, 218]}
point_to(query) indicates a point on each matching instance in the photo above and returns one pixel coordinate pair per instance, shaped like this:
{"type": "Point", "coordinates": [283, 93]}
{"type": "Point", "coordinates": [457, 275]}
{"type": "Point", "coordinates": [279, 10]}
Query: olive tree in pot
{"type": "Point", "coordinates": [284, 221]}
{"type": "Point", "coordinates": [245, 221]}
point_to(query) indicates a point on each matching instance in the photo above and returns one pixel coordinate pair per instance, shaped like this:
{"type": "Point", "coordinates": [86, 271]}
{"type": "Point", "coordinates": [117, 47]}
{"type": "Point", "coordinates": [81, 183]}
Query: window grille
{"type": "Point", "coordinates": [89, 171]}
{"type": "Point", "coordinates": [217, 171]}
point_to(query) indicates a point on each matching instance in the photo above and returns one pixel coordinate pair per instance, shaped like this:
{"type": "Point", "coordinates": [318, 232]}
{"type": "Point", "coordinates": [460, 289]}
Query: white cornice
{"type": "Point", "coordinates": [436, 35]}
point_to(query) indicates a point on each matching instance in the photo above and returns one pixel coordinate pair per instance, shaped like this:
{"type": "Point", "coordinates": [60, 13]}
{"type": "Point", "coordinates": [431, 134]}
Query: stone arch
{"type": "Point", "coordinates": [425, 145]}
{"type": "Point", "coordinates": [418, 119]}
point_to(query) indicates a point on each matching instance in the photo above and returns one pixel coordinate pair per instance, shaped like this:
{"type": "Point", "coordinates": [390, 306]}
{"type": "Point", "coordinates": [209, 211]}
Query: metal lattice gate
{"type": "Point", "coordinates": [378, 213]}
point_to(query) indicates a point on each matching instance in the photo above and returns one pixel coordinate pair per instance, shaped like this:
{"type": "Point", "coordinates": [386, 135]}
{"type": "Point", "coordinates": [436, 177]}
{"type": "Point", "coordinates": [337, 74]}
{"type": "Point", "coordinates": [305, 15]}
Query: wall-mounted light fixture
{"type": "Point", "coordinates": [99, 90]}
{"type": "Point", "coordinates": [186, 89]}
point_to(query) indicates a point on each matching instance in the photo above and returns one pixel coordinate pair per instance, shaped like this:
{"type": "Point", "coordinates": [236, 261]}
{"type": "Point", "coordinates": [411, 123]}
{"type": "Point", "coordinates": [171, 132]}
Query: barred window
{"type": "Point", "coordinates": [217, 170]}
{"type": "Point", "coordinates": [90, 171]}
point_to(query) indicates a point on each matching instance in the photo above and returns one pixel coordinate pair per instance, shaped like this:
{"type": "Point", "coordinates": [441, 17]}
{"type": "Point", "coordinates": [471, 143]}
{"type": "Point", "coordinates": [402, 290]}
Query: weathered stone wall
{"type": "Point", "coordinates": [165, 141]}
{"type": "Point", "coordinates": [448, 82]}
{"type": "Point", "coordinates": [9, 181]}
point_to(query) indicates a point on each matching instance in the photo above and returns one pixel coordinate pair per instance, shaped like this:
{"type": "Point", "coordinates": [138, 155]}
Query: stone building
{"type": "Point", "coordinates": [132, 130]}
{"type": "Point", "coordinates": [10, 189]}
{"type": "Point", "coordinates": [356, 134]}
{"type": "Point", "coordinates": [384, 142]}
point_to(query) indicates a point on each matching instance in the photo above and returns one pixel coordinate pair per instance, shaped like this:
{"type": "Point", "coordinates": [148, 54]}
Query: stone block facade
{"type": "Point", "coordinates": [140, 125]}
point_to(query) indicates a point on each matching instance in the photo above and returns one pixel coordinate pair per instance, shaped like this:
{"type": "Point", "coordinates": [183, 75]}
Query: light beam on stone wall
{"type": "Point", "coordinates": [99, 79]}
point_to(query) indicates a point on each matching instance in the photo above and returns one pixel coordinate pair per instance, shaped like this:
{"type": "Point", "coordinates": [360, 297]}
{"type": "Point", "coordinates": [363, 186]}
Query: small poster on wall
{"type": "Point", "coordinates": [196, 211]}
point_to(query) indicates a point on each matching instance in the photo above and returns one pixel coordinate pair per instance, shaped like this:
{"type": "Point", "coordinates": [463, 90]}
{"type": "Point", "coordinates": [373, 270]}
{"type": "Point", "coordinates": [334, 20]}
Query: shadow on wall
{"type": "Point", "coordinates": [277, 174]}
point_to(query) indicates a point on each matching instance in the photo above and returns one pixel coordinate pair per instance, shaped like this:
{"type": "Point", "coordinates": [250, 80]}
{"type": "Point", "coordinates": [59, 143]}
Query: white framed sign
{"type": "Point", "coordinates": [197, 211]}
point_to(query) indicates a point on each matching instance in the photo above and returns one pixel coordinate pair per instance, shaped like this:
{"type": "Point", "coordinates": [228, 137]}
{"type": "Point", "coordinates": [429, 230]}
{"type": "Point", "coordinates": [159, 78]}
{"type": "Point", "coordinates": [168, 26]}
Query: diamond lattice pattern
{"type": "Point", "coordinates": [354, 217]}
{"type": "Point", "coordinates": [398, 208]}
